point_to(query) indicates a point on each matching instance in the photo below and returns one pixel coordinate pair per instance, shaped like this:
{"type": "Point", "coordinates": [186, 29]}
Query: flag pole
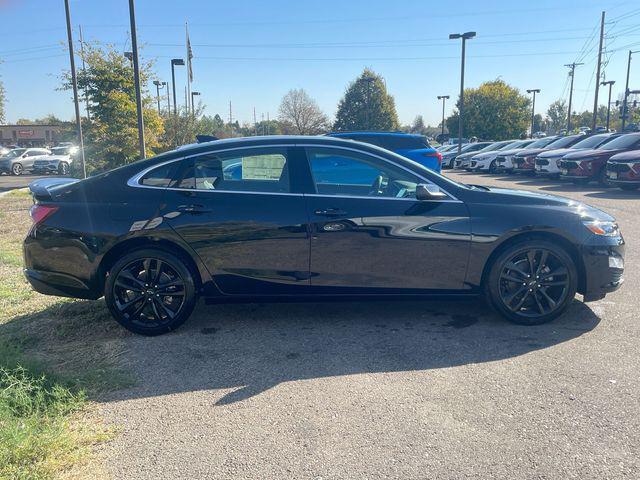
{"type": "Point", "coordinates": [189, 74]}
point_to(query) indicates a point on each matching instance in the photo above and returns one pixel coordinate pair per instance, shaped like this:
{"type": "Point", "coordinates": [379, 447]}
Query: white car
{"type": "Point", "coordinates": [463, 161]}
{"type": "Point", "coordinates": [449, 157]}
{"type": "Point", "coordinates": [487, 162]}
{"type": "Point", "coordinates": [20, 160]}
{"type": "Point", "coordinates": [546, 163]}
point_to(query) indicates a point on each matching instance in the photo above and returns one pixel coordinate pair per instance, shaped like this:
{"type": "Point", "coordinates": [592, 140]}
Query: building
{"type": "Point", "coordinates": [30, 135]}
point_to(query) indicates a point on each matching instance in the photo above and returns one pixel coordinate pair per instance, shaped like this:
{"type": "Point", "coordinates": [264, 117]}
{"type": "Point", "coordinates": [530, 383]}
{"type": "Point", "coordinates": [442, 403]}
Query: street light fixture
{"type": "Point", "coordinates": [193, 94]}
{"type": "Point", "coordinates": [128, 56]}
{"type": "Point", "coordinates": [174, 62]}
{"type": "Point", "coordinates": [159, 85]}
{"type": "Point", "coordinates": [464, 36]}
{"type": "Point", "coordinates": [533, 107]}
{"type": "Point", "coordinates": [444, 98]}
{"type": "Point", "coordinates": [610, 83]}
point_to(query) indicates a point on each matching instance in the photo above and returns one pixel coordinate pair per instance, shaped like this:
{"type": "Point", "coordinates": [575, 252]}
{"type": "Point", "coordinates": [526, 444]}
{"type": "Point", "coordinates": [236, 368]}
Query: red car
{"type": "Point", "coordinates": [524, 161]}
{"type": "Point", "coordinates": [623, 170]}
{"type": "Point", "coordinates": [587, 165]}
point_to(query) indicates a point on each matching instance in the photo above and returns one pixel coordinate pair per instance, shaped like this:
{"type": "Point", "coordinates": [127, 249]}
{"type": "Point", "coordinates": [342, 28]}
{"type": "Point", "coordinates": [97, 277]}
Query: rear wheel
{"type": "Point", "coordinates": [150, 292]}
{"type": "Point", "coordinates": [17, 169]}
{"type": "Point", "coordinates": [532, 282]}
{"type": "Point", "coordinates": [493, 167]}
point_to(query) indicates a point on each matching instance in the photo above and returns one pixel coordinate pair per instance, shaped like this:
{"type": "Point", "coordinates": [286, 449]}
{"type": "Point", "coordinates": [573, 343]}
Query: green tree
{"type": "Point", "coordinates": [557, 116]}
{"type": "Point", "coordinates": [366, 105]}
{"type": "Point", "coordinates": [493, 111]}
{"type": "Point", "coordinates": [111, 137]}
{"type": "Point", "coordinates": [539, 123]}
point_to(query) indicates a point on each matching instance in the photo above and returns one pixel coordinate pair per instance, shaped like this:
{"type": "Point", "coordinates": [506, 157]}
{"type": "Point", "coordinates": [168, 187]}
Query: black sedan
{"type": "Point", "coordinates": [309, 217]}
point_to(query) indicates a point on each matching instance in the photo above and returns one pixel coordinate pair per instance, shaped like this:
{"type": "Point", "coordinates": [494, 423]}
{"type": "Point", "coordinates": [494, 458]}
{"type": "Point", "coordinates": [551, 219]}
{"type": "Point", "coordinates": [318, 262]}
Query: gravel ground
{"type": "Point", "coordinates": [402, 390]}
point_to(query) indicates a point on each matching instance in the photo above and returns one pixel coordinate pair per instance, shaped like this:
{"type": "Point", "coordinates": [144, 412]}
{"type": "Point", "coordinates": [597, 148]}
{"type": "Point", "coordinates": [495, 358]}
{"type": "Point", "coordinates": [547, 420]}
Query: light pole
{"type": "Point", "coordinates": [174, 62]}
{"type": "Point", "coordinates": [74, 83]}
{"type": "Point", "coordinates": [464, 36]}
{"type": "Point", "coordinates": [626, 91]}
{"type": "Point", "coordinates": [533, 107]}
{"type": "Point", "coordinates": [193, 94]}
{"type": "Point", "coordinates": [159, 85]}
{"type": "Point", "coordinates": [610, 83]}
{"type": "Point", "coordinates": [444, 98]}
{"type": "Point", "coordinates": [136, 78]}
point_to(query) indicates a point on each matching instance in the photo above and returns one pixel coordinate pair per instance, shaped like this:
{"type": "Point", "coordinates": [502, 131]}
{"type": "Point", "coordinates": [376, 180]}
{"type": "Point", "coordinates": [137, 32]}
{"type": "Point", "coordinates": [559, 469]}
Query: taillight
{"type": "Point", "coordinates": [436, 154]}
{"type": "Point", "coordinates": [40, 212]}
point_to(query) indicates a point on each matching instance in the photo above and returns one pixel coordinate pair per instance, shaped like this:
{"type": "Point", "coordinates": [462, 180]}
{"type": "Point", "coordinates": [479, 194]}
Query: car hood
{"type": "Point", "coordinates": [630, 156]}
{"type": "Point", "coordinates": [590, 153]}
{"type": "Point", "coordinates": [527, 198]}
{"type": "Point", "coordinates": [558, 152]}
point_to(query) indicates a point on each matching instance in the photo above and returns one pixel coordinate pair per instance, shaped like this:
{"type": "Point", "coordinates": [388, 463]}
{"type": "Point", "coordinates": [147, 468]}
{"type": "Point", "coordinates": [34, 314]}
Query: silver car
{"type": "Point", "coordinates": [20, 160]}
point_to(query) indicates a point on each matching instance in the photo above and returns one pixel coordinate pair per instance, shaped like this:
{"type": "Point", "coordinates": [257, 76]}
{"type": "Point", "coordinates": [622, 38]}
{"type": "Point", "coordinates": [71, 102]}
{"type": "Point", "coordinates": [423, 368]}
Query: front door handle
{"type": "Point", "coordinates": [330, 212]}
{"type": "Point", "coordinates": [195, 209]}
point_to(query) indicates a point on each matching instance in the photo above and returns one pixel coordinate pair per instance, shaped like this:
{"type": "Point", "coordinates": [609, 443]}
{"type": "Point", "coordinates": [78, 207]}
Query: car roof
{"type": "Point", "coordinates": [376, 134]}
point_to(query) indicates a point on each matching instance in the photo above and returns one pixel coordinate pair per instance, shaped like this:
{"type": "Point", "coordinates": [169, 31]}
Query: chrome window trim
{"type": "Point", "coordinates": [134, 181]}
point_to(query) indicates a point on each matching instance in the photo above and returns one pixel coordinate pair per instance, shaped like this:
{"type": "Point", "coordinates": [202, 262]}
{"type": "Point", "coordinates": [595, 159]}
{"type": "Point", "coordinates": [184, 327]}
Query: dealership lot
{"type": "Point", "coordinates": [390, 389]}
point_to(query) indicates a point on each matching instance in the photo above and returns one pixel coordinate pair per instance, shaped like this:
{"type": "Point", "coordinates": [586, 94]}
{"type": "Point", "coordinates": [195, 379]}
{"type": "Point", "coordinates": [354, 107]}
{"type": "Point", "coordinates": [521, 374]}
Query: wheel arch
{"type": "Point", "coordinates": [199, 271]}
{"type": "Point", "coordinates": [566, 244]}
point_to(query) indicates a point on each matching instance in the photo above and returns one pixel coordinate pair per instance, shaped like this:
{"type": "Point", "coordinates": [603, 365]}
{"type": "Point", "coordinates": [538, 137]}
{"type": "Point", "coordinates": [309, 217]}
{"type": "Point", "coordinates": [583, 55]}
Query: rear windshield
{"type": "Point", "coordinates": [393, 142]}
{"type": "Point", "coordinates": [624, 141]}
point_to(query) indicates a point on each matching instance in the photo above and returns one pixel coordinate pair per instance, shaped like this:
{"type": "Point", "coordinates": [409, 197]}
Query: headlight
{"type": "Point", "coordinates": [605, 229]}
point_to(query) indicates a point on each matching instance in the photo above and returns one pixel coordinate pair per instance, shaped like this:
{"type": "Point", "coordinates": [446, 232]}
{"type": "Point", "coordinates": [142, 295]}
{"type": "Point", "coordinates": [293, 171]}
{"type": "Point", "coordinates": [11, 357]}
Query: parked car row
{"type": "Point", "coordinates": [608, 158]}
{"type": "Point", "coordinates": [56, 160]}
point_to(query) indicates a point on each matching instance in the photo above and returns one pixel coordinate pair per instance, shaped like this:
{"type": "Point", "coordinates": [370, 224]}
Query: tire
{"type": "Point", "coordinates": [138, 303]}
{"type": "Point", "coordinates": [17, 169]}
{"type": "Point", "coordinates": [63, 168]}
{"type": "Point", "coordinates": [602, 177]}
{"type": "Point", "coordinates": [492, 167]}
{"type": "Point", "coordinates": [520, 299]}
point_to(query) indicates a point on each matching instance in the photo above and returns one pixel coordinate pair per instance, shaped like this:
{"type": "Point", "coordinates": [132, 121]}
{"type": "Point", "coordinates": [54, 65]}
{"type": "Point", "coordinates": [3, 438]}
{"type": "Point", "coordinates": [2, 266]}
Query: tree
{"type": "Point", "coordinates": [557, 116]}
{"type": "Point", "coordinates": [418, 125]}
{"type": "Point", "coordinates": [493, 111]}
{"type": "Point", "coordinates": [539, 123]}
{"type": "Point", "coordinates": [111, 137]}
{"type": "Point", "coordinates": [366, 105]}
{"type": "Point", "coordinates": [303, 113]}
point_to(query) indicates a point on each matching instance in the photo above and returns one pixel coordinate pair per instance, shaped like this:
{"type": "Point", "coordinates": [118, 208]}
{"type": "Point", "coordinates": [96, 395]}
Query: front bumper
{"type": "Point", "coordinates": [522, 166]}
{"type": "Point", "coordinates": [546, 167]}
{"type": "Point", "coordinates": [601, 275]}
{"type": "Point", "coordinates": [622, 173]}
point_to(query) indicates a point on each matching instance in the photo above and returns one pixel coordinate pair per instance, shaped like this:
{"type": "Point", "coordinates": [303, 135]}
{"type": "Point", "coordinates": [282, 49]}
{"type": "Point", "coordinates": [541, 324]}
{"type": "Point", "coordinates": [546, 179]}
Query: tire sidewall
{"type": "Point", "coordinates": [13, 169]}
{"type": "Point", "coordinates": [175, 262]}
{"type": "Point", "coordinates": [492, 285]}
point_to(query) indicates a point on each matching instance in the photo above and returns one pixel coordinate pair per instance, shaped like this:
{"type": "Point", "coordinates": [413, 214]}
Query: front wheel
{"type": "Point", "coordinates": [150, 292]}
{"type": "Point", "coordinates": [493, 168]}
{"type": "Point", "coordinates": [17, 169]}
{"type": "Point", "coordinates": [532, 282]}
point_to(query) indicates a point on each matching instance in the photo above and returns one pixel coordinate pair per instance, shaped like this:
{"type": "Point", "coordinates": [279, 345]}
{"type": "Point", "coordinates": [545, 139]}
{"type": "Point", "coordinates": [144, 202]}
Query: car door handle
{"type": "Point", "coordinates": [195, 209]}
{"type": "Point", "coordinates": [330, 212]}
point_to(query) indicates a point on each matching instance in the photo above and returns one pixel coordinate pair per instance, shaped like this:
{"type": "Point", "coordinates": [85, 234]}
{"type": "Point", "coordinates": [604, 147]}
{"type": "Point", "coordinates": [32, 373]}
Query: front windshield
{"type": "Point", "coordinates": [543, 142]}
{"type": "Point", "coordinates": [591, 142]}
{"type": "Point", "coordinates": [625, 141]}
{"type": "Point", "coordinates": [59, 151]}
{"type": "Point", "coordinates": [512, 145]}
{"type": "Point", "coordinates": [16, 152]}
{"type": "Point", "coordinates": [561, 142]}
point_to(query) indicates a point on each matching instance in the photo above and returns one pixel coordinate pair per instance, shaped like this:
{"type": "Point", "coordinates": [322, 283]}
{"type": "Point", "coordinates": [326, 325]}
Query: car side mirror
{"type": "Point", "coordinates": [429, 192]}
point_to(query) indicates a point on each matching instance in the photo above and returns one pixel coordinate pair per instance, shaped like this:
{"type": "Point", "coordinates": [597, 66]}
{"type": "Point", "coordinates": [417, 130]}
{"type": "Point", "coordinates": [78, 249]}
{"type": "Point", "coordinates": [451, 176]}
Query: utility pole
{"type": "Point", "coordinates": [625, 110]}
{"type": "Point", "coordinates": [610, 83]}
{"type": "Point", "coordinates": [74, 83]}
{"type": "Point", "coordinates": [268, 125]}
{"type": "Point", "coordinates": [595, 98]}
{"type": "Point", "coordinates": [255, 122]}
{"type": "Point", "coordinates": [444, 98]}
{"type": "Point", "coordinates": [168, 102]}
{"type": "Point", "coordinates": [464, 36]}
{"type": "Point", "coordinates": [86, 97]}
{"type": "Point", "coordinates": [136, 77]}
{"type": "Point", "coordinates": [572, 67]}
{"type": "Point", "coordinates": [533, 107]}
{"type": "Point", "coordinates": [230, 119]}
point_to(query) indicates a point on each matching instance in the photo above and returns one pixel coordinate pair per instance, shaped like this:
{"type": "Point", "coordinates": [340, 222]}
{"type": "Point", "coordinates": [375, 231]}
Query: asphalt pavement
{"type": "Point", "coordinates": [12, 182]}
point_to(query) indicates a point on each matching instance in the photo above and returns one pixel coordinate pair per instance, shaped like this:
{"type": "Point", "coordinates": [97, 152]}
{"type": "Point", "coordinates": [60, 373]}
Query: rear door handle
{"type": "Point", "coordinates": [330, 212]}
{"type": "Point", "coordinates": [195, 209]}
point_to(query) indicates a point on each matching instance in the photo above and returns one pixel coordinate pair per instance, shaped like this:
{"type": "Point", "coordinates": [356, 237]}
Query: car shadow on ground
{"type": "Point", "coordinates": [245, 349]}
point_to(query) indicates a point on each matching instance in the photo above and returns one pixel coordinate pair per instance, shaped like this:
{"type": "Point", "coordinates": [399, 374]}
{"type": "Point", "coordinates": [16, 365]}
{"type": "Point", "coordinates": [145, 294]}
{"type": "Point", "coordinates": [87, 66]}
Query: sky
{"type": "Point", "coordinates": [251, 53]}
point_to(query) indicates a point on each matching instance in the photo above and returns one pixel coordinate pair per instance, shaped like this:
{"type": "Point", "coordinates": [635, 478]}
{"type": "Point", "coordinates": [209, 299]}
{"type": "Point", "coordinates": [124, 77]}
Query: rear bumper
{"type": "Point", "coordinates": [59, 284]}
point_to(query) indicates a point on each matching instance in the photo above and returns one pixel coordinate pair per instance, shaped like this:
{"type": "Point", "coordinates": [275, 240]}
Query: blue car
{"type": "Point", "coordinates": [412, 146]}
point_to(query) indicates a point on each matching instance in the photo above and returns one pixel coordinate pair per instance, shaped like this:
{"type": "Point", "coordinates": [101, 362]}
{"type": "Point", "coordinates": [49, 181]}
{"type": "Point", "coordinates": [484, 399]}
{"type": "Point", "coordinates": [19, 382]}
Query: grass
{"type": "Point", "coordinates": [55, 355]}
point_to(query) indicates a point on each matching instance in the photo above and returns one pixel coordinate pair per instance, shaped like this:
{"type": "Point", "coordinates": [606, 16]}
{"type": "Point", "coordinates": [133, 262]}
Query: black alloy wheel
{"type": "Point", "coordinates": [532, 282]}
{"type": "Point", "coordinates": [150, 292]}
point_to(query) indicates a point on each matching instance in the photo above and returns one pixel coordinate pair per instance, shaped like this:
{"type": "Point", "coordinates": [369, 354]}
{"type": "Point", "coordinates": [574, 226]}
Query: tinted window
{"type": "Point", "coordinates": [337, 172]}
{"type": "Point", "coordinates": [543, 142]}
{"type": "Point", "coordinates": [160, 177]}
{"type": "Point", "coordinates": [624, 141]}
{"type": "Point", "coordinates": [246, 171]}
{"type": "Point", "coordinates": [563, 142]}
{"type": "Point", "coordinates": [592, 142]}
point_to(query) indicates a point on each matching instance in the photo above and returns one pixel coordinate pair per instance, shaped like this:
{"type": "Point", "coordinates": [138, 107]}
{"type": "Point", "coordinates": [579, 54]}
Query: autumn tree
{"type": "Point", "coordinates": [366, 105]}
{"type": "Point", "coordinates": [493, 111]}
{"type": "Point", "coordinates": [302, 112]}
